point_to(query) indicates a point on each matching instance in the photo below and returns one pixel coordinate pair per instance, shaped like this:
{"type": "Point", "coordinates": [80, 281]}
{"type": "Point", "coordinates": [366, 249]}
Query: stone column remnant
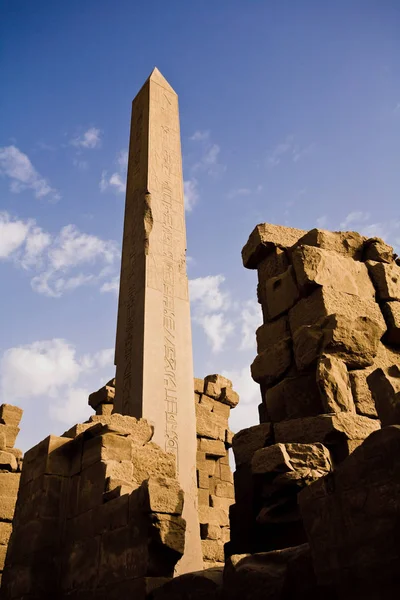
{"type": "Point", "coordinates": [153, 355]}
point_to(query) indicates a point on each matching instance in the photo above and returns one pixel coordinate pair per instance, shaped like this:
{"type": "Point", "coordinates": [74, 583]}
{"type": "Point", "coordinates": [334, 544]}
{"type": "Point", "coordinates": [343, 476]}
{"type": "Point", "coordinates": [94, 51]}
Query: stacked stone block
{"type": "Point", "coordinates": [214, 398]}
{"type": "Point", "coordinates": [10, 473]}
{"type": "Point", "coordinates": [327, 346]}
{"type": "Point", "coordinates": [98, 515]}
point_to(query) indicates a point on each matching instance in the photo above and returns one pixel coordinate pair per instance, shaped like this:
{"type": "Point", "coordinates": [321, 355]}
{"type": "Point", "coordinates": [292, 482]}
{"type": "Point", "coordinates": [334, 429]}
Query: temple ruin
{"type": "Point", "coordinates": [140, 501]}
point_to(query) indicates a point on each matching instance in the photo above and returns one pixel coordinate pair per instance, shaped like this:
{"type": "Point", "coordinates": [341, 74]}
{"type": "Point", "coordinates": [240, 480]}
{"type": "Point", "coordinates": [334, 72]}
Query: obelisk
{"type": "Point", "coordinates": [153, 356]}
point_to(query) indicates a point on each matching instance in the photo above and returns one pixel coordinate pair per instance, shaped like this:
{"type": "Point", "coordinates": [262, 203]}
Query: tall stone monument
{"type": "Point", "coordinates": [153, 356]}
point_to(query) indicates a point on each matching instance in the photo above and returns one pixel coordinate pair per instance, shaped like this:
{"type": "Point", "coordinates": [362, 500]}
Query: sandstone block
{"type": "Point", "coordinates": [203, 497]}
{"type": "Point", "coordinates": [386, 279]}
{"type": "Point", "coordinates": [247, 441]}
{"type": "Point", "coordinates": [198, 385]}
{"type": "Point", "coordinates": [272, 364]}
{"type": "Point", "coordinates": [351, 328]}
{"type": "Point", "coordinates": [47, 457]}
{"type": "Point", "coordinates": [151, 460]}
{"type": "Point", "coordinates": [139, 429]}
{"type": "Point", "coordinates": [391, 312]}
{"type": "Point", "coordinates": [318, 267]}
{"type": "Point", "coordinates": [163, 495]}
{"type": "Point", "coordinates": [120, 558]}
{"type": "Point", "coordinates": [8, 462]}
{"type": "Point", "coordinates": [274, 264]}
{"type": "Point", "coordinates": [104, 395]}
{"type": "Point", "coordinates": [212, 448]}
{"type": "Point", "coordinates": [226, 473]}
{"type": "Point", "coordinates": [385, 387]}
{"type": "Point", "coordinates": [7, 508]}
{"type": "Point", "coordinates": [274, 459]}
{"type": "Point", "coordinates": [362, 396]}
{"type": "Point", "coordinates": [203, 480]}
{"type": "Point", "coordinates": [225, 490]}
{"type": "Point", "coordinates": [272, 333]}
{"type": "Point", "coordinates": [5, 532]}
{"type": "Point", "coordinates": [213, 516]}
{"type": "Point", "coordinates": [214, 383]}
{"type": "Point", "coordinates": [264, 239]}
{"type": "Point", "coordinates": [375, 249]}
{"type": "Point", "coordinates": [9, 484]}
{"type": "Point", "coordinates": [208, 425]}
{"type": "Point", "coordinates": [104, 410]}
{"type": "Point", "coordinates": [229, 397]}
{"type": "Point", "coordinates": [106, 447]}
{"type": "Point", "coordinates": [327, 429]}
{"type": "Point", "coordinates": [347, 243]}
{"type": "Point", "coordinates": [281, 293]}
{"type": "Point", "coordinates": [207, 402]}
{"type": "Point", "coordinates": [169, 530]}
{"type": "Point", "coordinates": [196, 586]}
{"type": "Point", "coordinates": [218, 502]}
{"type": "Point", "coordinates": [292, 398]}
{"type": "Point", "coordinates": [334, 385]}
{"type": "Point", "coordinates": [10, 415]}
{"type": "Point", "coordinates": [223, 410]}
{"type": "Point", "coordinates": [10, 432]}
{"type": "Point", "coordinates": [210, 532]}
{"type": "Point", "coordinates": [228, 438]}
{"type": "Point", "coordinates": [213, 550]}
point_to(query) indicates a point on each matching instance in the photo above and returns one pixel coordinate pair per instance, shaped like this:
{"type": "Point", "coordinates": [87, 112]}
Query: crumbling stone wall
{"type": "Point", "coordinates": [10, 472]}
{"type": "Point", "coordinates": [214, 398]}
{"type": "Point", "coordinates": [97, 515]}
{"type": "Point", "coordinates": [329, 340]}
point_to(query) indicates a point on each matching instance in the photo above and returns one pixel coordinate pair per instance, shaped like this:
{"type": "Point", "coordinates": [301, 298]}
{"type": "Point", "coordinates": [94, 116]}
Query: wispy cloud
{"type": "Point", "coordinates": [117, 180]}
{"type": "Point", "coordinates": [288, 149]}
{"type": "Point", "coordinates": [361, 221]}
{"type": "Point", "coordinates": [191, 193]}
{"type": "Point", "coordinates": [322, 222]}
{"type": "Point", "coordinates": [16, 165]}
{"type": "Point", "coordinates": [57, 263]}
{"type": "Point", "coordinates": [200, 136]}
{"type": "Point", "coordinates": [89, 139]}
{"type": "Point", "coordinates": [208, 162]}
{"type": "Point", "coordinates": [356, 217]}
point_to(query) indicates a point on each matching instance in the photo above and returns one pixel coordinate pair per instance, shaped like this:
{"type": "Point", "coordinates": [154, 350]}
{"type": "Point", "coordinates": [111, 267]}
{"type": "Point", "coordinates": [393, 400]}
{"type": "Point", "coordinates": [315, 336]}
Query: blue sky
{"type": "Point", "coordinates": [290, 114]}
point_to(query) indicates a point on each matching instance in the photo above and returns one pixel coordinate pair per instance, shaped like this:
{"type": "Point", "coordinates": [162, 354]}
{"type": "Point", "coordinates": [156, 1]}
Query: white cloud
{"type": "Point", "coordinates": [251, 318]}
{"type": "Point", "coordinates": [191, 194]}
{"type": "Point", "coordinates": [117, 180]}
{"type": "Point", "coordinates": [246, 413]}
{"type": "Point", "coordinates": [290, 149]}
{"type": "Point", "coordinates": [82, 165]}
{"type": "Point", "coordinates": [17, 166]}
{"type": "Point", "coordinates": [13, 234]}
{"type": "Point", "coordinates": [206, 293]}
{"type": "Point", "coordinates": [111, 286]}
{"type": "Point", "coordinates": [355, 217]}
{"type": "Point", "coordinates": [56, 258]}
{"type": "Point", "coordinates": [51, 369]}
{"type": "Point", "coordinates": [89, 139]}
{"type": "Point", "coordinates": [217, 328]}
{"type": "Point", "coordinates": [200, 136]}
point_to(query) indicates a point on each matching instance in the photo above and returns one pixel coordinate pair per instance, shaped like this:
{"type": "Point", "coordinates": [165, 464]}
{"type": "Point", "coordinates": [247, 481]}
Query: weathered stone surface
{"type": "Point", "coordinates": [272, 364]}
{"type": "Point", "coordinates": [386, 279]}
{"type": "Point", "coordinates": [278, 575]}
{"type": "Point", "coordinates": [280, 293]}
{"type": "Point", "coordinates": [318, 267]}
{"type": "Point", "coordinates": [351, 519]}
{"type": "Point", "coordinates": [213, 448]}
{"type": "Point", "coordinates": [293, 398]}
{"type": "Point", "coordinates": [348, 243]}
{"type": "Point", "coordinates": [140, 430]}
{"type": "Point", "coordinates": [5, 532]}
{"type": "Point", "coordinates": [303, 461]}
{"type": "Point", "coordinates": [104, 395]}
{"type": "Point", "coordinates": [8, 461]}
{"type": "Point", "coordinates": [229, 397]}
{"type": "Point", "coordinates": [210, 425]}
{"type": "Point", "coordinates": [108, 446]}
{"type": "Point", "coordinates": [274, 264]}
{"type": "Point", "coordinates": [385, 387]}
{"type": "Point", "coordinates": [351, 328]}
{"type": "Point", "coordinates": [10, 432]}
{"type": "Point", "coordinates": [163, 495]}
{"type": "Point", "coordinates": [391, 312]}
{"type": "Point", "coordinates": [213, 516]}
{"type": "Point", "coordinates": [213, 550]}
{"type": "Point", "coordinates": [376, 249]}
{"type": "Point", "coordinates": [198, 385]}
{"type": "Point", "coordinates": [218, 502]}
{"type": "Point", "coordinates": [150, 460]}
{"type": "Point", "coordinates": [264, 239]}
{"type": "Point", "coordinates": [247, 441]}
{"type": "Point", "coordinates": [153, 350]}
{"type": "Point", "coordinates": [272, 333]}
{"type": "Point", "coordinates": [327, 429]}
{"type": "Point", "coordinates": [362, 396]}
{"type": "Point", "coordinates": [213, 385]}
{"type": "Point", "coordinates": [334, 385]}
{"type": "Point", "coordinates": [10, 415]}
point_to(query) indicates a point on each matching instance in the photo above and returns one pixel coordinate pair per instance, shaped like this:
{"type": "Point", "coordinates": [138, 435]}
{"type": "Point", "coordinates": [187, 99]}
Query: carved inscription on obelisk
{"type": "Point", "coordinates": [154, 374]}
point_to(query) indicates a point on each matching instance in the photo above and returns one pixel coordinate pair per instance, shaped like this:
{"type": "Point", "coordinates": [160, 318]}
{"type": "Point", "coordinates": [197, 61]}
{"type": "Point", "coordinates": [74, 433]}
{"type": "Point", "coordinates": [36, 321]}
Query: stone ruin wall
{"type": "Point", "coordinates": [10, 473]}
{"type": "Point", "coordinates": [328, 365]}
{"type": "Point", "coordinates": [102, 507]}
{"type": "Point", "coordinates": [214, 398]}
